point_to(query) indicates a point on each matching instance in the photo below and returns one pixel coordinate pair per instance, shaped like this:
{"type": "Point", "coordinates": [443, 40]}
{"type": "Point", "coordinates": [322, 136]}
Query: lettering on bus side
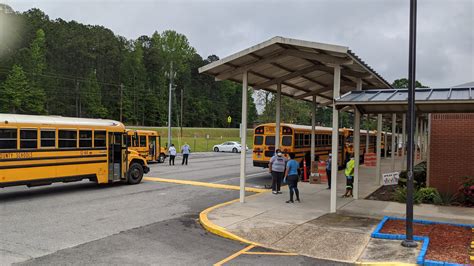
{"type": "Point", "coordinates": [16, 155]}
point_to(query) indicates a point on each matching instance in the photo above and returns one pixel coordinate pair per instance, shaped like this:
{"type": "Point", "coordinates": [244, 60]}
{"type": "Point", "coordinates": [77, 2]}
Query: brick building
{"type": "Point", "coordinates": [451, 155]}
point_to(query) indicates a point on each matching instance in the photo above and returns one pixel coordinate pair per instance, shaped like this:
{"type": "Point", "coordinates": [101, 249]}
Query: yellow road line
{"type": "Point", "coordinates": [235, 255]}
{"type": "Point", "coordinates": [270, 253]}
{"type": "Point", "coordinates": [202, 184]}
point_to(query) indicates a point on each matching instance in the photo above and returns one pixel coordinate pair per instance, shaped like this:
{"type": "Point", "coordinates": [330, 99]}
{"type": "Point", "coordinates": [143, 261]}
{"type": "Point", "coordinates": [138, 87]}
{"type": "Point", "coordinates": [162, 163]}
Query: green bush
{"type": "Point", "coordinates": [428, 194]}
{"type": "Point", "coordinates": [466, 191]}
{"type": "Point", "coordinates": [400, 195]}
{"type": "Point", "coordinates": [419, 172]}
{"type": "Point", "coordinates": [445, 199]}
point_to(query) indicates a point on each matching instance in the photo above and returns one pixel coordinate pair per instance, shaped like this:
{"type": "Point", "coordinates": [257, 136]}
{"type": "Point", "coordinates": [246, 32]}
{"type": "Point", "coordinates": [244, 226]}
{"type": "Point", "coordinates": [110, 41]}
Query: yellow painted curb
{"type": "Point", "coordinates": [203, 184]}
{"type": "Point", "coordinates": [389, 263]}
{"type": "Point", "coordinates": [219, 230]}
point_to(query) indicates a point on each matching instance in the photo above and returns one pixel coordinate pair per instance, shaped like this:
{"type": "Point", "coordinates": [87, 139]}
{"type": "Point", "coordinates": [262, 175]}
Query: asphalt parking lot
{"type": "Point", "coordinates": [149, 223]}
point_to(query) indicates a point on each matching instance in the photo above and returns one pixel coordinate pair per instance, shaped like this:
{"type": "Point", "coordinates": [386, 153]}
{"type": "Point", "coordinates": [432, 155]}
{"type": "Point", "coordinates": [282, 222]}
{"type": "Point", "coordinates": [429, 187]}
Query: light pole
{"type": "Point", "coordinates": [409, 242]}
{"type": "Point", "coordinates": [171, 76]}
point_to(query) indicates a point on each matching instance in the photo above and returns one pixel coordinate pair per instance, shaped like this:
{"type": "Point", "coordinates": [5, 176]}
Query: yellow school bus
{"type": "Point", "coordinates": [297, 139]}
{"type": "Point", "coordinates": [40, 150]}
{"type": "Point", "coordinates": [147, 143]}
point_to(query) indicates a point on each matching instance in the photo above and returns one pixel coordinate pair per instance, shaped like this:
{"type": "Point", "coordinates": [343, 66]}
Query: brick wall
{"type": "Point", "coordinates": [451, 150]}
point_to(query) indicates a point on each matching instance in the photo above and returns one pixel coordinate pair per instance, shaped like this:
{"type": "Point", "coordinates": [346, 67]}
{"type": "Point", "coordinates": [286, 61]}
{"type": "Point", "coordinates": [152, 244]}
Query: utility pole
{"type": "Point", "coordinates": [77, 98]}
{"type": "Point", "coordinates": [121, 102]}
{"type": "Point", "coordinates": [169, 103]}
{"type": "Point", "coordinates": [181, 122]}
{"type": "Point", "coordinates": [409, 242]}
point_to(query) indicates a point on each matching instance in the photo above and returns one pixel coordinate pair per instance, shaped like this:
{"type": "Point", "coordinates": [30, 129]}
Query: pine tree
{"type": "Point", "coordinates": [91, 98]}
{"type": "Point", "coordinates": [34, 98]}
{"type": "Point", "coordinates": [12, 91]}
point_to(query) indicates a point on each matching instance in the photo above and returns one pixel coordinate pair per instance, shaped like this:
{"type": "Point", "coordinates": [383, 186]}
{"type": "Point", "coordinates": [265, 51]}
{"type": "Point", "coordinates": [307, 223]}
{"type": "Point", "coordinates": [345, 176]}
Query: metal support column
{"type": "Point", "coordinates": [243, 136]}
{"type": "Point", "coordinates": [409, 242]}
{"type": "Point", "coordinates": [367, 135]}
{"type": "Point", "coordinates": [278, 117]}
{"type": "Point", "coordinates": [404, 141]}
{"type": "Point", "coordinates": [394, 133]}
{"type": "Point", "coordinates": [378, 149]}
{"type": "Point", "coordinates": [335, 138]}
{"type": "Point", "coordinates": [313, 129]}
{"type": "Point", "coordinates": [357, 145]}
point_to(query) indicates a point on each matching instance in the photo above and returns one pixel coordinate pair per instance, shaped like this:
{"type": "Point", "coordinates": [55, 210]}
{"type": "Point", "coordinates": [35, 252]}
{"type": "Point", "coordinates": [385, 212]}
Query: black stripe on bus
{"type": "Point", "coordinates": [53, 149]}
{"type": "Point", "coordinates": [49, 164]}
{"type": "Point", "coordinates": [53, 158]}
{"type": "Point", "coordinates": [47, 181]}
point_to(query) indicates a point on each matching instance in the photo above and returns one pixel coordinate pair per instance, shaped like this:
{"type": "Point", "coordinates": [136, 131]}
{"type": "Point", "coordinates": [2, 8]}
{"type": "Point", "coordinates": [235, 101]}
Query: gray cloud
{"type": "Point", "coordinates": [375, 30]}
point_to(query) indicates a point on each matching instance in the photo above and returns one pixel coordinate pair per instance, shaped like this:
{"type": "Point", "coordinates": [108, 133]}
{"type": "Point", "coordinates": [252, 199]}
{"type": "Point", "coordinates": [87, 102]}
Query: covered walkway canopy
{"type": "Point", "coordinates": [304, 70]}
{"type": "Point", "coordinates": [439, 100]}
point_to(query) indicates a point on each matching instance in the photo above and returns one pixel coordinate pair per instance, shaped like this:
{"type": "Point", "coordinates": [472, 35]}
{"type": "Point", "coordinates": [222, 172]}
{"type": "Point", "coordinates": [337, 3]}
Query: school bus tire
{"type": "Point", "coordinates": [135, 173]}
{"type": "Point", "coordinates": [161, 158]}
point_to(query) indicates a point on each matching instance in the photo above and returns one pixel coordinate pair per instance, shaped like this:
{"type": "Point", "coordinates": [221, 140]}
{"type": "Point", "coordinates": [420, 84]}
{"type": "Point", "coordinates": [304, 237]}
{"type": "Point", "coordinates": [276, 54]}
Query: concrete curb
{"type": "Point", "coordinates": [424, 239]}
{"type": "Point", "coordinates": [219, 230]}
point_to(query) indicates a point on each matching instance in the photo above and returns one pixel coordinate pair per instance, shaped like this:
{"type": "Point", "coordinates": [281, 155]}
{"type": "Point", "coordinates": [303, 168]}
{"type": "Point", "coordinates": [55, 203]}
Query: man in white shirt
{"type": "Point", "coordinates": [185, 150]}
{"type": "Point", "coordinates": [172, 153]}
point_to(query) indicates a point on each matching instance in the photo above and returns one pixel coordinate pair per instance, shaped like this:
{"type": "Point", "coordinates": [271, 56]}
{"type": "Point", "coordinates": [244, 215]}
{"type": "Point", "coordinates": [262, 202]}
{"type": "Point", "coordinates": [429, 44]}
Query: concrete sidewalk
{"type": "Point", "coordinates": [307, 228]}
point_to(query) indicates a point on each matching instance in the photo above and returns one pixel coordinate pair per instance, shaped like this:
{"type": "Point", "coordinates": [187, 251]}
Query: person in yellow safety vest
{"type": "Point", "coordinates": [349, 172]}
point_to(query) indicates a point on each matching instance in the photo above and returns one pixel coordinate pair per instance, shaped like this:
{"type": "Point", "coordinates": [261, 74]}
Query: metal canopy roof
{"type": "Point", "coordinates": [303, 68]}
{"type": "Point", "coordinates": [441, 100]}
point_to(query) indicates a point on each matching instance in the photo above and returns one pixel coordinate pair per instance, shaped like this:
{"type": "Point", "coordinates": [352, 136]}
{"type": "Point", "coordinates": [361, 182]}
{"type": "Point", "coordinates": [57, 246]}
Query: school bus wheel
{"type": "Point", "coordinates": [135, 173]}
{"type": "Point", "coordinates": [161, 158]}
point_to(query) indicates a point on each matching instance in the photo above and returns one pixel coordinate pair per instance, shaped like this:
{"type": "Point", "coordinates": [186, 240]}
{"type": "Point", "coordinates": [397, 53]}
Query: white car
{"type": "Point", "coordinates": [230, 146]}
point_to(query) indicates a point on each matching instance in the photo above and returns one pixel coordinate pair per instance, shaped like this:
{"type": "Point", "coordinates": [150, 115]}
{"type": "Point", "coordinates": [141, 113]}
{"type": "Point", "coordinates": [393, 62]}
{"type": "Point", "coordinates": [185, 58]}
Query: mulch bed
{"type": "Point", "coordinates": [384, 193]}
{"type": "Point", "coordinates": [448, 243]}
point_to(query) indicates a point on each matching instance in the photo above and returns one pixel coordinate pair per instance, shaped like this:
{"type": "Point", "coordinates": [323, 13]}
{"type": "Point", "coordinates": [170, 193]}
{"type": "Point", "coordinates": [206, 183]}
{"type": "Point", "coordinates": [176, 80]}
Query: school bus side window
{"type": "Point", "coordinates": [8, 138]}
{"type": "Point", "coordinates": [67, 138]}
{"type": "Point", "coordinates": [85, 138]}
{"type": "Point", "coordinates": [48, 138]}
{"type": "Point", "coordinates": [99, 139]}
{"type": "Point", "coordinates": [28, 139]}
{"type": "Point", "coordinates": [142, 141]}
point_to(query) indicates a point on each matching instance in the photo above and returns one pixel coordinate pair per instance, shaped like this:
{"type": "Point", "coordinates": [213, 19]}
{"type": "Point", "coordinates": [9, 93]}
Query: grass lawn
{"type": "Point", "coordinates": [197, 137]}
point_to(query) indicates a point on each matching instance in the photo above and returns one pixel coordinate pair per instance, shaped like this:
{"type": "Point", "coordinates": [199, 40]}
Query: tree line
{"type": "Point", "coordinates": [65, 68]}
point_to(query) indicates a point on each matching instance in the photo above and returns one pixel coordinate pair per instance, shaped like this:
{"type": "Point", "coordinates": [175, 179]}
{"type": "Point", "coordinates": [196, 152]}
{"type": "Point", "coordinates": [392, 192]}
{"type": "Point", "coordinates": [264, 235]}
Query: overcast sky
{"type": "Point", "coordinates": [375, 30]}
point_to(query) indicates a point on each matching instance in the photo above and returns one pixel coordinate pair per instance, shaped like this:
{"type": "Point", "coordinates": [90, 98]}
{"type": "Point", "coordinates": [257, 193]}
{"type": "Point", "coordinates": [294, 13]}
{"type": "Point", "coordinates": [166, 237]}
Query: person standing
{"type": "Point", "coordinates": [328, 170]}
{"type": "Point", "coordinates": [291, 175]}
{"type": "Point", "coordinates": [277, 168]}
{"type": "Point", "coordinates": [185, 150]}
{"type": "Point", "coordinates": [172, 153]}
{"type": "Point", "coordinates": [349, 172]}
